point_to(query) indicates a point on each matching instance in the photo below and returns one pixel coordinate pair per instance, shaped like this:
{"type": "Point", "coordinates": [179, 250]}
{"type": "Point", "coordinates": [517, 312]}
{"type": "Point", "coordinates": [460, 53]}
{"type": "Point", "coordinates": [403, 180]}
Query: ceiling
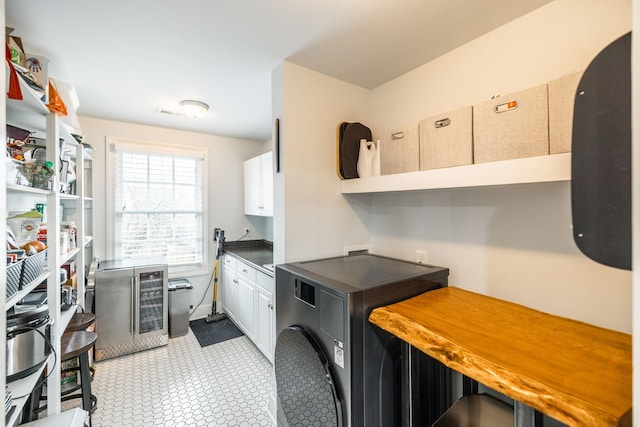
{"type": "Point", "coordinates": [130, 59]}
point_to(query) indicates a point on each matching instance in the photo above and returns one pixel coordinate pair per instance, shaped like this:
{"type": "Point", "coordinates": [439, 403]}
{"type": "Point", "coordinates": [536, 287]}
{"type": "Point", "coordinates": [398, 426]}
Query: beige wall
{"type": "Point", "coordinates": [311, 217]}
{"type": "Point", "coordinates": [514, 243]}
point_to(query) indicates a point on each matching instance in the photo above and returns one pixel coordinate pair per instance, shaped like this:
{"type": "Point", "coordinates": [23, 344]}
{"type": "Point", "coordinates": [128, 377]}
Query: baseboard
{"type": "Point", "coordinates": [201, 312]}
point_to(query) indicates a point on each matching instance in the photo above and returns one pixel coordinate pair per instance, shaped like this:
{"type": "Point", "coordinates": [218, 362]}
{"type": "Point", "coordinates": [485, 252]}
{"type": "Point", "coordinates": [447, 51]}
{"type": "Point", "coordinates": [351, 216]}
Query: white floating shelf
{"type": "Point", "coordinates": [556, 167]}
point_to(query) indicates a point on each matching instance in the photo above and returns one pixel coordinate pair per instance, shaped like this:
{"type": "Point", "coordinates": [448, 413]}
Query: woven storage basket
{"type": "Point", "coordinates": [14, 271]}
{"type": "Point", "coordinates": [33, 267]}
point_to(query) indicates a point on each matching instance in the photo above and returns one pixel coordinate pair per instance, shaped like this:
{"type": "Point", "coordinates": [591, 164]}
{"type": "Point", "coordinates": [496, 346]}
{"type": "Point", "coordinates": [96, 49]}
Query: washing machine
{"type": "Point", "coordinates": [332, 367]}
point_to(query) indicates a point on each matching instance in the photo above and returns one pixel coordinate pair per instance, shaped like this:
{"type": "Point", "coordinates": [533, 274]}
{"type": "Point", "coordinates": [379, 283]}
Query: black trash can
{"type": "Point", "coordinates": [179, 301]}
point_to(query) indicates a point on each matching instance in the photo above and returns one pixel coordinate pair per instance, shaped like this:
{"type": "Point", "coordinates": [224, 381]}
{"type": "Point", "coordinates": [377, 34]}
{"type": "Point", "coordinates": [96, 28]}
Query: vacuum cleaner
{"type": "Point", "coordinates": [215, 316]}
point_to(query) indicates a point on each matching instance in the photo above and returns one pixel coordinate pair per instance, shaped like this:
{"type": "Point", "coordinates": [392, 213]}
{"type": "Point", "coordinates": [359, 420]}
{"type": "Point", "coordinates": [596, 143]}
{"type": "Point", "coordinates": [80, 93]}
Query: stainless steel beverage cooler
{"type": "Point", "coordinates": [131, 306]}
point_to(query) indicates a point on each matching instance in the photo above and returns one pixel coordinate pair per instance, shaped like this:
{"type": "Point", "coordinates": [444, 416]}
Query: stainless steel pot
{"type": "Point", "coordinates": [28, 340]}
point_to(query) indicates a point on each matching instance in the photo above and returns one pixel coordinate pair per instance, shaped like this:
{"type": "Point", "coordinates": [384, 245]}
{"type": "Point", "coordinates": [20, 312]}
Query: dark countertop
{"type": "Point", "coordinates": [255, 252]}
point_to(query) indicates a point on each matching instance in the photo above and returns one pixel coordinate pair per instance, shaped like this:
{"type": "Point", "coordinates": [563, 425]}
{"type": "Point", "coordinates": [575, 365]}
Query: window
{"type": "Point", "coordinates": [157, 196]}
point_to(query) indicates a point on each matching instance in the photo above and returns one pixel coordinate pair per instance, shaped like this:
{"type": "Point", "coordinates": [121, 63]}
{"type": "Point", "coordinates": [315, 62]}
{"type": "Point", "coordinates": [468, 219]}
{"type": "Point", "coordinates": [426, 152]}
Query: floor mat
{"type": "Point", "coordinates": [214, 332]}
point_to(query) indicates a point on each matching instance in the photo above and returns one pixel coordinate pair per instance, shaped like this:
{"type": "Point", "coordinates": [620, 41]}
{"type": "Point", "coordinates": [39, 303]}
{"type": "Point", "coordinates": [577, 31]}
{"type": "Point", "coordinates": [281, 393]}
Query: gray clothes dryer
{"type": "Point", "coordinates": [332, 367]}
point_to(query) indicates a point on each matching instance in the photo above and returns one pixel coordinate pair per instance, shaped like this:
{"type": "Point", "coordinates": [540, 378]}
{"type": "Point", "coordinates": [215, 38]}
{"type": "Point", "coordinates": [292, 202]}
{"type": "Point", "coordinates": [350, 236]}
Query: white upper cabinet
{"type": "Point", "coordinates": [252, 190]}
{"type": "Point", "coordinates": [258, 185]}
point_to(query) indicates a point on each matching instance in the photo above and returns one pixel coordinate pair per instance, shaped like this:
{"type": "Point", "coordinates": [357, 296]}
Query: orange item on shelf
{"type": "Point", "coordinates": [56, 104]}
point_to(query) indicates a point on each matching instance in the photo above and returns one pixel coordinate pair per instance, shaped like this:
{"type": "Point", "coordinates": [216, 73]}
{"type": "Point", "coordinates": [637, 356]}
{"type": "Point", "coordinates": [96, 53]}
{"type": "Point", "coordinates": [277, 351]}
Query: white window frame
{"type": "Point", "coordinates": [154, 147]}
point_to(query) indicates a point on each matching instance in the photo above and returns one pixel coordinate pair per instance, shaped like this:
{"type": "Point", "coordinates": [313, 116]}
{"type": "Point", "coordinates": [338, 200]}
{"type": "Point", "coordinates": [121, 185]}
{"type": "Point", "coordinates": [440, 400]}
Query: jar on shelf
{"type": "Point", "coordinates": [64, 242]}
{"type": "Point", "coordinates": [40, 174]}
{"type": "Point", "coordinates": [70, 228]}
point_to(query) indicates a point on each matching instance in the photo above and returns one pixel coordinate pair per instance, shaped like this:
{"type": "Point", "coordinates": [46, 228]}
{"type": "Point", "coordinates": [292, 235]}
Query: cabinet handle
{"type": "Point", "coordinates": [133, 304]}
{"type": "Point", "coordinates": [244, 271]}
{"type": "Point", "coordinates": [442, 123]}
{"type": "Point", "coordinates": [270, 306]}
{"type": "Point", "coordinates": [507, 106]}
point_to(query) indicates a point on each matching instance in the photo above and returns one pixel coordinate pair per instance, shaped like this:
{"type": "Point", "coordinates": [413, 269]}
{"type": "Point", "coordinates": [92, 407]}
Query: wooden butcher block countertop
{"type": "Point", "coordinates": [575, 372]}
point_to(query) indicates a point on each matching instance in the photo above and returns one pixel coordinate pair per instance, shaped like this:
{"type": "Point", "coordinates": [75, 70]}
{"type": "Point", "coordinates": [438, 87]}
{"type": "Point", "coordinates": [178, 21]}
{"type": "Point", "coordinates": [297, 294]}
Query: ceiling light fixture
{"type": "Point", "coordinates": [194, 108]}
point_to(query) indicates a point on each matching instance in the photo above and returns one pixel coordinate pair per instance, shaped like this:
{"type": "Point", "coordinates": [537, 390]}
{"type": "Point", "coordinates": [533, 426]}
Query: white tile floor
{"type": "Point", "coordinates": [183, 384]}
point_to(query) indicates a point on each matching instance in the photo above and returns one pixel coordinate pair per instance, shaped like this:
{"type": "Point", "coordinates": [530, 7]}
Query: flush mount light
{"type": "Point", "coordinates": [194, 108]}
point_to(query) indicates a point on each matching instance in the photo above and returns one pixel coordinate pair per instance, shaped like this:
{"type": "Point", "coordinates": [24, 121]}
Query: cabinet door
{"type": "Point", "coordinates": [266, 174]}
{"type": "Point", "coordinates": [245, 317]}
{"type": "Point", "coordinates": [230, 286]}
{"type": "Point", "coordinates": [252, 202]}
{"type": "Point", "coordinates": [115, 321]}
{"type": "Point", "coordinates": [264, 323]}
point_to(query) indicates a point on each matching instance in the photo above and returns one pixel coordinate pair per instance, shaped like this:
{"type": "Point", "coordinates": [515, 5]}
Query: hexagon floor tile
{"type": "Point", "coordinates": [182, 384]}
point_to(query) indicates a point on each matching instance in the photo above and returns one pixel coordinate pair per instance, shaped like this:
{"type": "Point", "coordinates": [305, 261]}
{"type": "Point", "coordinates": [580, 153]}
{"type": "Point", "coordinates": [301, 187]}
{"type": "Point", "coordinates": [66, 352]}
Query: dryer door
{"type": "Point", "coordinates": [306, 388]}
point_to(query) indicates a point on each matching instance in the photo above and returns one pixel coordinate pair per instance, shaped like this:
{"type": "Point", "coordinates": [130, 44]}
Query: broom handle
{"type": "Point", "coordinates": [215, 283]}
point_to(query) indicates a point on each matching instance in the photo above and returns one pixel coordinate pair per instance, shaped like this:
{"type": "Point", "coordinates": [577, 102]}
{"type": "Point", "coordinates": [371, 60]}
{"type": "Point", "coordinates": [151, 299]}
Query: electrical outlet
{"type": "Point", "coordinates": [246, 231]}
{"type": "Point", "coordinates": [422, 256]}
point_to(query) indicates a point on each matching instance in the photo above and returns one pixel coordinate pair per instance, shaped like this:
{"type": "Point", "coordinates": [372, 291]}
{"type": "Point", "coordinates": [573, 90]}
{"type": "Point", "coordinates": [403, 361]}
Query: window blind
{"type": "Point", "coordinates": [158, 205]}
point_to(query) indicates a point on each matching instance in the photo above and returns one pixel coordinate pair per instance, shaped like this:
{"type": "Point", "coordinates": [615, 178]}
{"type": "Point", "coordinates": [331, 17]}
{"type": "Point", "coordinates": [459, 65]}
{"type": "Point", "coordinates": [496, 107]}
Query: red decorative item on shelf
{"type": "Point", "coordinates": [14, 84]}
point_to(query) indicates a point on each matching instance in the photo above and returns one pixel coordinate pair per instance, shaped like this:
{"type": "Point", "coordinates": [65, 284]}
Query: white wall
{"type": "Point", "coordinates": [277, 111]}
{"type": "Point", "coordinates": [511, 242]}
{"type": "Point", "coordinates": [551, 41]}
{"type": "Point", "coordinates": [316, 220]}
{"type": "Point", "coordinates": [226, 189]}
{"type": "Point", "coordinates": [514, 243]}
{"type": "Point", "coordinates": [267, 221]}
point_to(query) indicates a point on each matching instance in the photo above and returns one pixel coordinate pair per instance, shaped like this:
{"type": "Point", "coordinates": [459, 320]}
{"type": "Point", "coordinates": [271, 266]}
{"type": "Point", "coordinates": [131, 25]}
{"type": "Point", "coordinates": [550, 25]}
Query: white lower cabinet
{"type": "Point", "coordinates": [230, 287]}
{"type": "Point", "coordinates": [246, 305]}
{"type": "Point", "coordinates": [265, 315]}
{"type": "Point", "coordinates": [248, 301]}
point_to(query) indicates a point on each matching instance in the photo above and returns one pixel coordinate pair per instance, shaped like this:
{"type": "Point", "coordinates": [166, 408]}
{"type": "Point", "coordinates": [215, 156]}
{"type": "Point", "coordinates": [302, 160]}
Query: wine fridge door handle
{"type": "Point", "coordinates": [133, 304]}
{"type": "Point", "coordinates": [136, 306]}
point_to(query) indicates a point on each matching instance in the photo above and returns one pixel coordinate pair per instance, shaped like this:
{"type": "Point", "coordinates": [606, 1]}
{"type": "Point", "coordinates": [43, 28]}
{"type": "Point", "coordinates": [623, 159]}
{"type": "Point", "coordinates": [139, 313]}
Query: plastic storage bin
{"type": "Point", "coordinates": [33, 266]}
{"type": "Point", "coordinates": [13, 278]}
